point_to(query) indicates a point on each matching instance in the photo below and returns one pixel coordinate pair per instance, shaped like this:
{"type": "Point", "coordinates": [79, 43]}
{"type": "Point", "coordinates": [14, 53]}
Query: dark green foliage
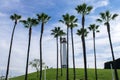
{"type": "Point", "coordinates": [83, 9]}
{"type": "Point", "coordinates": [81, 31]}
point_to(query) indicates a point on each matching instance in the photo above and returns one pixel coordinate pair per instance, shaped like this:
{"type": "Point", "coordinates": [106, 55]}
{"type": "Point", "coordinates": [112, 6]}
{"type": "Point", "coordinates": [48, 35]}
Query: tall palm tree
{"type": "Point", "coordinates": [29, 23]}
{"type": "Point", "coordinates": [106, 17]}
{"type": "Point", "coordinates": [15, 18]}
{"type": "Point", "coordinates": [68, 20]}
{"type": "Point", "coordinates": [94, 29]}
{"type": "Point", "coordinates": [73, 25]}
{"type": "Point", "coordinates": [43, 18]}
{"type": "Point", "coordinates": [83, 9]}
{"type": "Point", "coordinates": [62, 33]}
{"type": "Point", "coordinates": [56, 32]}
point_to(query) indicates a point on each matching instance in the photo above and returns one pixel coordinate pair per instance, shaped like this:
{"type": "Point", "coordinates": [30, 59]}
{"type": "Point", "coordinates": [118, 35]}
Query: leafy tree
{"type": "Point", "coordinates": [15, 18]}
{"type": "Point", "coordinates": [94, 29]}
{"type": "Point", "coordinates": [43, 18]}
{"type": "Point", "coordinates": [29, 23]}
{"type": "Point", "coordinates": [56, 32]}
{"type": "Point", "coordinates": [106, 17]}
{"type": "Point", "coordinates": [35, 64]}
{"type": "Point", "coordinates": [84, 9]}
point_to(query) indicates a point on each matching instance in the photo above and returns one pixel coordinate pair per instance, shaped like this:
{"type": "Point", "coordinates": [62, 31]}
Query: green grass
{"type": "Point", "coordinates": [103, 74]}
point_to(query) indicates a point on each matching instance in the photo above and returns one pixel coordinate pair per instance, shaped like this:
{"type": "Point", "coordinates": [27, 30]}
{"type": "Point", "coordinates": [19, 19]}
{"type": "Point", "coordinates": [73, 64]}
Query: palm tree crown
{"type": "Point", "coordinates": [81, 31]}
{"type": "Point", "coordinates": [29, 22]}
{"type": "Point", "coordinates": [94, 28]}
{"type": "Point", "coordinates": [106, 17]}
{"type": "Point", "coordinates": [69, 20]}
{"type": "Point", "coordinates": [43, 17]}
{"type": "Point", "coordinates": [83, 9]}
{"type": "Point", "coordinates": [15, 17]}
{"type": "Point", "coordinates": [55, 31]}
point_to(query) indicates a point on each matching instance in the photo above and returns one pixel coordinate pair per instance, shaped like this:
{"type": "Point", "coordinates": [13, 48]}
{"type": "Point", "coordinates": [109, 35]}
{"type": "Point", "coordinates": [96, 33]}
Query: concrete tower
{"type": "Point", "coordinates": [64, 53]}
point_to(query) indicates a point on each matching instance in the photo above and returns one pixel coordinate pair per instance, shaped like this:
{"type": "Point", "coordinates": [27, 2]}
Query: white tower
{"type": "Point", "coordinates": [64, 53]}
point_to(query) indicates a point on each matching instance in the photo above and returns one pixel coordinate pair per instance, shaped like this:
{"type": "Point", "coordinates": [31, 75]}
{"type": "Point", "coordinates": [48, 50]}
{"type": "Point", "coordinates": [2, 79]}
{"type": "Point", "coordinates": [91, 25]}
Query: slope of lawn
{"type": "Point", "coordinates": [103, 74]}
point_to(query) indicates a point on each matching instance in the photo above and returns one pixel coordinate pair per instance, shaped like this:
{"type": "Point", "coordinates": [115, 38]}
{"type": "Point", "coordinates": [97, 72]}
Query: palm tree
{"type": "Point", "coordinates": [56, 33]}
{"type": "Point", "coordinates": [29, 23]}
{"type": "Point", "coordinates": [43, 18]}
{"type": "Point", "coordinates": [73, 25]}
{"type": "Point", "coordinates": [94, 29]}
{"type": "Point", "coordinates": [68, 20]}
{"type": "Point", "coordinates": [106, 17]}
{"type": "Point", "coordinates": [62, 33]}
{"type": "Point", "coordinates": [15, 18]}
{"type": "Point", "coordinates": [83, 9]}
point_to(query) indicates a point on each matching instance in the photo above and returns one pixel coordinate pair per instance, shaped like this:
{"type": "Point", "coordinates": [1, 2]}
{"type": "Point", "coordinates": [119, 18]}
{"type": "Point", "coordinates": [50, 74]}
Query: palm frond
{"type": "Point", "coordinates": [61, 21]}
{"type": "Point", "coordinates": [89, 8]}
{"type": "Point", "coordinates": [103, 16]}
{"type": "Point", "coordinates": [114, 16]}
{"type": "Point", "coordinates": [99, 20]}
{"type": "Point", "coordinates": [15, 17]}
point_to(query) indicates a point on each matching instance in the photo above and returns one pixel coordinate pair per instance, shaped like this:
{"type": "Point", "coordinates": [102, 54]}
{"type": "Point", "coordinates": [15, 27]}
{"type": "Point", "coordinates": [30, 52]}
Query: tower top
{"type": "Point", "coordinates": [64, 40]}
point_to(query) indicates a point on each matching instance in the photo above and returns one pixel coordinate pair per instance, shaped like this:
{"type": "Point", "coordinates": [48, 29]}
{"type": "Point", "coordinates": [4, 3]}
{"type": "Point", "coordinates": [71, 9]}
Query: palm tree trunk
{"type": "Point", "coordinates": [113, 57]}
{"type": "Point", "coordinates": [84, 49]}
{"type": "Point", "coordinates": [8, 64]}
{"type": "Point", "coordinates": [73, 54]}
{"type": "Point", "coordinates": [61, 54]}
{"type": "Point", "coordinates": [57, 58]}
{"type": "Point", "coordinates": [95, 55]}
{"type": "Point", "coordinates": [85, 60]}
{"type": "Point", "coordinates": [26, 73]}
{"type": "Point", "coordinates": [42, 29]}
{"type": "Point", "coordinates": [67, 72]}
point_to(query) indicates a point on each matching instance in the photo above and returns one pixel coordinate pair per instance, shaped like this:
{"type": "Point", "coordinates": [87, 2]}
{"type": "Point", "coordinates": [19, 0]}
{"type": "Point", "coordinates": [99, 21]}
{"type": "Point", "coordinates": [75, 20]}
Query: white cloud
{"type": "Point", "coordinates": [101, 3]}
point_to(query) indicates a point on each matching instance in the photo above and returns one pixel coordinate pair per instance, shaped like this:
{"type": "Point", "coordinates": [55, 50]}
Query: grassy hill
{"type": "Point", "coordinates": [103, 74]}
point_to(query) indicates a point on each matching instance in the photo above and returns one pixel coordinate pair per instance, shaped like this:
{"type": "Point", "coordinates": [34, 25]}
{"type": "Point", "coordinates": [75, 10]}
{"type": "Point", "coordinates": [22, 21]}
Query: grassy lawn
{"type": "Point", "coordinates": [103, 74]}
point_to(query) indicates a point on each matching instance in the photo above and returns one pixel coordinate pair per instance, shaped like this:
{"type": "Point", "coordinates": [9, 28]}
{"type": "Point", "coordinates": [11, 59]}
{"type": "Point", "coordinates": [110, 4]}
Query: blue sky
{"type": "Point", "coordinates": [55, 9]}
